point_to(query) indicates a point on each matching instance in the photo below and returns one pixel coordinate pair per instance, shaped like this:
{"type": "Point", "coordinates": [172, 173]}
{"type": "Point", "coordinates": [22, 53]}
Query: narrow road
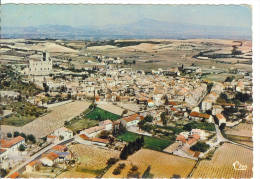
{"type": "Point", "coordinates": [36, 156]}
{"type": "Point", "coordinates": [220, 138]}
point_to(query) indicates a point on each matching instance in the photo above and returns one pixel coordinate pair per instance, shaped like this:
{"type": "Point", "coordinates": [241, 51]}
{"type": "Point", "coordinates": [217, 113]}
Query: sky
{"type": "Point", "coordinates": [101, 15]}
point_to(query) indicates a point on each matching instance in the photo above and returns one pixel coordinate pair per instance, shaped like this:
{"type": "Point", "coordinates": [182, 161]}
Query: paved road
{"type": "Point", "coordinates": [37, 155]}
{"type": "Point", "coordinates": [220, 138]}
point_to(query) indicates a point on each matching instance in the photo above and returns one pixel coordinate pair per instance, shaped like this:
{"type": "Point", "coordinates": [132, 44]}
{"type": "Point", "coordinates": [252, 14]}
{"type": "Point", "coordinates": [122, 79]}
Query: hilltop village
{"type": "Point", "coordinates": [105, 118]}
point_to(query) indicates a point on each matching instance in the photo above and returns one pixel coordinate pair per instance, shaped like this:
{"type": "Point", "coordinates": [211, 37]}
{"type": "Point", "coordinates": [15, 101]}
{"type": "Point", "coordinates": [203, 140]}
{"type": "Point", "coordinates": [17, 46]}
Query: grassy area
{"type": "Point", "coordinates": [9, 80]}
{"type": "Point", "coordinates": [149, 142]}
{"type": "Point", "coordinates": [77, 124]}
{"type": "Point", "coordinates": [101, 115]}
{"type": "Point", "coordinates": [24, 112]}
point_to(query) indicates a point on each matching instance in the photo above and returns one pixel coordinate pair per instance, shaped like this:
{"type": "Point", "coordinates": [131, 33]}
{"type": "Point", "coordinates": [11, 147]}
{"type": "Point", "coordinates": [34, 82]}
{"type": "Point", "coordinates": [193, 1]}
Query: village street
{"type": "Point", "coordinates": [38, 154]}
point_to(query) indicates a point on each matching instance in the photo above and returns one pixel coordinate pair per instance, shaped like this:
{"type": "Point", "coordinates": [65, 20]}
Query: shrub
{"type": "Point", "coordinates": [112, 161]}
{"type": "Point", "coordinates": [200, 146]}
{"type": "Point", "coordinates": [121, 166]}
{"type": "Point", "coordinates": [16, 133]}
{"type": "Point", "coordinates": [21, 147]}
{"type": "Point", "coordinates": [116, 171]}
{"type": "Point", "coordinates": [9, 135]}
{"type": "Point", "coordinates": [134, 168]}
{"type": "Point", "coordinates": [31, 138]}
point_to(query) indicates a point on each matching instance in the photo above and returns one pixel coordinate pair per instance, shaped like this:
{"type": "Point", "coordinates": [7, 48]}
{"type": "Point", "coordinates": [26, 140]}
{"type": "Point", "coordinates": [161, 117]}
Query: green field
{"type": "Point", "coordinates": [23, 113]}
{"type": "Point", "coordinates": [149, 142]}
{"type": "Point", "coordinates": [78, 124]}
{"type": "Point", "coordinates": [101, 115]}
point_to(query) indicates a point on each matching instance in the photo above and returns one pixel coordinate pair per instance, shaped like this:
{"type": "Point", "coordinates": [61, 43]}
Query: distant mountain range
{"type": "Point", "coordinates": [145, 28]}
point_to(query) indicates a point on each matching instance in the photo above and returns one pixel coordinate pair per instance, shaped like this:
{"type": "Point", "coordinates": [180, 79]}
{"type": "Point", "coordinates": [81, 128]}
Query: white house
{"type": "Point", "coordinates": [221, 119]}
{"type": "Point", "coordinates": [63, 131]}
{"type": "Point", "coordinates": [199, 132]}
{"type": "Point", "coordinates": [217, 109]}
{"type": "Point", "coordinates": [108, 124]}
{"type": "Point", "coordinates": [49, 159]}
{"type": "Point", "coordinates": [31, 167]}
{"type": "Point", "coordinates": [131, 120]}
{"type": "Point", "coordinates": [13, 144]}
{"type": "Point", "coordinates": [93, 131]}
{"type": "Point", "coordinates": [3, 154]}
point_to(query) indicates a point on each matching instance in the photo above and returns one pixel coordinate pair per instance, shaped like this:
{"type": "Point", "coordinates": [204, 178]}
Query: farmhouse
{"type": "Point", "coordinates": [3, 154]}
{"type": "Point", "coordinates": [31, 167]}
{"type": "Point", "coordinates": [14, 175]}
{"type": "Point", "coordinates": [93, 131]}
{"type": "Point", "coordinates": [221, 119]}
{"type": "Point", "coordinates": [107, 124]}
{"type": "Point", "coordinates": [200, 116]}
{"type": "Point", "coordinates": [131, 120]}
{"type": "Point", "coordinates": [64, 132]}
{"type": "Point", "coordinates": [12, 144]}
{"type": "Point", "coordinates": [49, 159]}
{"type": "Point", "coordinates": [87, 140]}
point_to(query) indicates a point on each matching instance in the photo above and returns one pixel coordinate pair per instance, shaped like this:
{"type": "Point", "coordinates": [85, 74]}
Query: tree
{"type": "Point", "coordinates": [124, 112]}
{"type": "Point", "coordinates": [111, 161]}
{"type": "Point", "coordinates": [222, 126]}
{"type": "Point", "coordinates": [142, 140]}
{"type": "Point", "coordinates": [148, 118]}
{"type": "Point", "coordinates": [46, 87]}
{"type": "Point", "coordinates": [9, 135]}
{"type": "Point", "coordinates": [16, 133]}
{"type": "Point", "coordinates": [163, 118]}
{"type": "Point", "coordinates": [3, 172]}
{"type": "Point", "coordinates": [31, 138]}
{"type": "Point", "coordinates": [23, 135]}
{"type": "Point", "coordinates": [200, 146]}
{"type": "Point", "coordinates": [116, 171]}
{"type": "Point", "coordinates": [21, 148]}
{"type": "Point", "coordinates": [104, 134]}
{"type": "Point", "coordinates": [166, 100]}
{"type": "Point", "coordinates": [124, 154]}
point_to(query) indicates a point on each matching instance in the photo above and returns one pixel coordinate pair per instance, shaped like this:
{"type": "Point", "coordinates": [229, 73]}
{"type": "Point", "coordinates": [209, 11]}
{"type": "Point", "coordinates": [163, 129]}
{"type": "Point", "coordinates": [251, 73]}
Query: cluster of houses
{"type": "Point", "coordinates": [9, 146]}
{"type": "Point", "coordinates": [187, 139]}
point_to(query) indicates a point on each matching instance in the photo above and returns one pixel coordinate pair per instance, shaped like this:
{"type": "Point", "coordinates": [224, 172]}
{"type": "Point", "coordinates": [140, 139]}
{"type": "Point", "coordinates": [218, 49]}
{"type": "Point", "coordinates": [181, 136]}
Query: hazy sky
{"type": "Point", "coordinates": [98, 15]}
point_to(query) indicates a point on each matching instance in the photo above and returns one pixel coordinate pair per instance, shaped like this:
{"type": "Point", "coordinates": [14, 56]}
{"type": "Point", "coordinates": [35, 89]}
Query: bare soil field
{"type": "Point", "coordinates": [221, 165]}
{"type": "Point", "coordinates": [92, 160]}
{"type": "Point", "coordinates": [46, 124]}
{"type": "Point", "coordinates": [172, 53]}
{"type": "Point", "coordinates": [162, 164]}
{"type": "Point", "coordinates": [242, 129]}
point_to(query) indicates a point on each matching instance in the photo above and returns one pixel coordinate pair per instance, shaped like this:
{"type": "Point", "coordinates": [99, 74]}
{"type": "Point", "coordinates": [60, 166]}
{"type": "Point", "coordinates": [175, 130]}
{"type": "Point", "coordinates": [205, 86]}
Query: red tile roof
{"type": "Point", "coordinates": [132, 118]}
{"type": "Point", "coordinates": [181, 138]}
{"type": "Point", "coordinates": [220, 117]}
{"type": "Point", "coordinates": [105, 141]}
{"type": "Point", "coordinates": [59, 148]}
{"type": "Point", "coordinates": [14, 175]}
{"type": "Point", "coordinates": [197, 114]}
{"type": "Point", "coordinates": [12, 142]}
{"type": "Point", "coordinates": [83, 136]}
{"type": "Point", "coordinates": [33, 163]}
{"type": "Point", "coordinates": [52, 156]}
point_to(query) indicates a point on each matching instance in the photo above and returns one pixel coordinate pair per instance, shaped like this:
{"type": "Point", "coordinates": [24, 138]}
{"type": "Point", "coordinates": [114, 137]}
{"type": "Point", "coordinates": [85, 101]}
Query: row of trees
{"type": "Point", "coordinates": [131, 147]}
{"type": "Point", "coordinates": [29, 137]}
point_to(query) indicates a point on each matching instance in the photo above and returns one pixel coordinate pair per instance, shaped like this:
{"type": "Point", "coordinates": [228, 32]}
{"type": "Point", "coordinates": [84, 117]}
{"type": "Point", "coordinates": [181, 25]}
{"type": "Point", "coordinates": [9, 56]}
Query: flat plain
{"type": "Point", "coordinates": [221, 165]}
{"type": "Point", "coordinates": [162, 165]}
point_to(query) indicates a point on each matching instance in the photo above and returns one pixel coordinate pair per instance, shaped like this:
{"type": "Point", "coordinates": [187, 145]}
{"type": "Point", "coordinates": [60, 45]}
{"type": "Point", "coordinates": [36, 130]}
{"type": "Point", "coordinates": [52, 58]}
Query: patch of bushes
{"type": "Point", "coordinates": [200, 147]}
